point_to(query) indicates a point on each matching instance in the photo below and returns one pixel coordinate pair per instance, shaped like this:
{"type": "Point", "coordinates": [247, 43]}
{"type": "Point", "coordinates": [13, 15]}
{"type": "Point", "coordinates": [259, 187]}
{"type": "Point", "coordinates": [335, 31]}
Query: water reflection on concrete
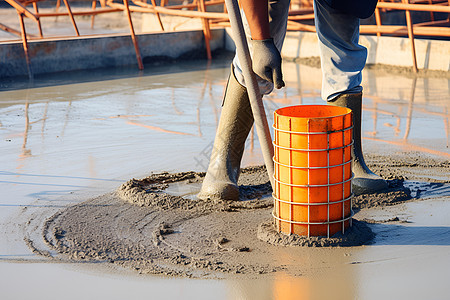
{"type": "Point", "coordinates": [336, 282]}
{"type": "Point", "coordinates": [66, 138]}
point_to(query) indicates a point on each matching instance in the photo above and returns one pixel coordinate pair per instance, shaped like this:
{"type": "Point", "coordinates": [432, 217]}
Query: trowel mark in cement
{"type": "Point", "coordinates": [144, 228]}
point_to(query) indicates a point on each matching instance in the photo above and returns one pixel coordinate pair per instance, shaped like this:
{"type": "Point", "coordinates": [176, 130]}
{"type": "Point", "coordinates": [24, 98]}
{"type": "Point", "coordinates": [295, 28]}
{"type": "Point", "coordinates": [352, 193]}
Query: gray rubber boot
{"type": "Point", "coordinates": [365, 181]}
{"type": "Point", "coordinates": [235, 122]}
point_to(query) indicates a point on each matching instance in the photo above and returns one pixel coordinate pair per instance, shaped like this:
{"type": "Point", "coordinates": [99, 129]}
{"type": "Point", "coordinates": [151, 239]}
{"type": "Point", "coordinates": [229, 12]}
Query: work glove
{"type": "Point", "coordinates": [266, 60]}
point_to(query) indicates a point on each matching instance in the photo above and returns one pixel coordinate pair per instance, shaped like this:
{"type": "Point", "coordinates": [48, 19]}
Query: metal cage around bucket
{"type": "Point", "coordinates": [312, 157]}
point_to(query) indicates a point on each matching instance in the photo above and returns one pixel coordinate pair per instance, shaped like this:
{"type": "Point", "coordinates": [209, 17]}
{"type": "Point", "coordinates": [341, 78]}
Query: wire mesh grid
{"type": "Point", "coordinates": [293, 199]}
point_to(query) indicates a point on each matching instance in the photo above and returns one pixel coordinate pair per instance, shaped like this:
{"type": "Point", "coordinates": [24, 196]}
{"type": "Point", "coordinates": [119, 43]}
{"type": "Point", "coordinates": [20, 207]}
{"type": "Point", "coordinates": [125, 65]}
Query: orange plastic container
{"type": "Point", "coordinates": [312, 157]}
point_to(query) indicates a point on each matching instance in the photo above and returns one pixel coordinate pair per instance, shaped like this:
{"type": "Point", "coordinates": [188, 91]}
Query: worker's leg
{"type": "Point", "coordinates": [235, 122]}
{"type": "Point", "coordinates": [342, 60]}
{"type": "Point", "coordinates": [236, 119]}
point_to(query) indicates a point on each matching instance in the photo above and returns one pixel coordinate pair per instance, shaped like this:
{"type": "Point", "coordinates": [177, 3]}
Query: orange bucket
{"type": "Point", "coordinates": [312, 157]}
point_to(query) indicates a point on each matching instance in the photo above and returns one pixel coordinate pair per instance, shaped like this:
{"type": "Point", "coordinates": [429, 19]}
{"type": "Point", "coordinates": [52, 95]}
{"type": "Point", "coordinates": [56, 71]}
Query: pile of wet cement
{"type": "Point", "coordinates": [357, 235]}
{"type": "Point", "coordinates": [142, 227]}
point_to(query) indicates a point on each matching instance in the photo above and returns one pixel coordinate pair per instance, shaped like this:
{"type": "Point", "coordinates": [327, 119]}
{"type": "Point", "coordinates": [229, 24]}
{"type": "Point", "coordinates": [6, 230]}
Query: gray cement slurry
{"type": "Point", "coordinates": [74, 141]}
{"type": "Point", "coordinates": [143, 228]}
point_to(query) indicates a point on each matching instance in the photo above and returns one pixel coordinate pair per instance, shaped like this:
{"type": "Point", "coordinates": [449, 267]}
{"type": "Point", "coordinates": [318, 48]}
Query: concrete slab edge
{"type": "Point", "coordinates": [59, 55]}
{"type": "Point", "coordinates": [78, 53]}
{"type": "Point", "coordinates": [395, 51]}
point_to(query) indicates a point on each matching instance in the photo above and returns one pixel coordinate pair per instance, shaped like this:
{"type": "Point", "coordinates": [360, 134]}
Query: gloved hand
{"type": "Point", "coordinates": [266, 60]}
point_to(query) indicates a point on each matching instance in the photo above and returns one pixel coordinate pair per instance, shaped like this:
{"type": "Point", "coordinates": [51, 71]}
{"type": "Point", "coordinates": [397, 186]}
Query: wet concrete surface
{"type": "Point", "coordinates": [67, 138]}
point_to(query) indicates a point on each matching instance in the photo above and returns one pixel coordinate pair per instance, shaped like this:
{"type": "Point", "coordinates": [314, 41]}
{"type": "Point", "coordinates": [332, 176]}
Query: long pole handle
{"type": "Point", "coordinates": [259, 114]}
